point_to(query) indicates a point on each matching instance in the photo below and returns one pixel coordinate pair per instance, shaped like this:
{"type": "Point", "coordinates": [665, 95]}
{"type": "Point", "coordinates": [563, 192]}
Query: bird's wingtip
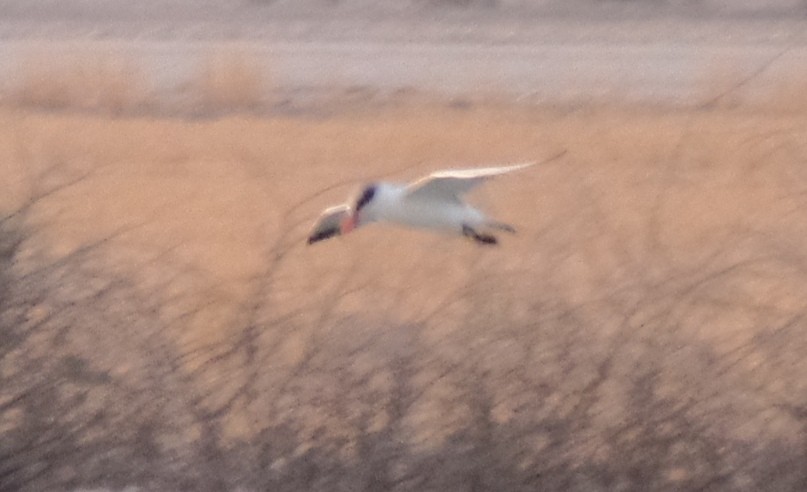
{"type": "Point", "coordinates": [551, 158]}
{"type": "Point", "coordinates": [322, 234]}
{"type": "Point", "coordinates": [557, 155]}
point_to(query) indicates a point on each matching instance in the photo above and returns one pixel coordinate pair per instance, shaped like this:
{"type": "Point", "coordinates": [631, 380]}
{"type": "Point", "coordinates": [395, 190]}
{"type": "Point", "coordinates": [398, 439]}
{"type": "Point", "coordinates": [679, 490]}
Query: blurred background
{"type": "Point", "coordinates": [164, 326]}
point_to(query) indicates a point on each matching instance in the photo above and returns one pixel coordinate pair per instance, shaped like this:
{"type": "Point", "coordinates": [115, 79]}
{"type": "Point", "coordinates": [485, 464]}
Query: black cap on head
{"type": "Point", "coordinates": [366, 196]}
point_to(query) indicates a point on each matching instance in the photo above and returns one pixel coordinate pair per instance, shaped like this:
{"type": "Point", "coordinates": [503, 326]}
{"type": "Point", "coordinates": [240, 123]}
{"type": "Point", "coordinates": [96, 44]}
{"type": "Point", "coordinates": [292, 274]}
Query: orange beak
{"type": "Point", "coordinates": [348, 223]}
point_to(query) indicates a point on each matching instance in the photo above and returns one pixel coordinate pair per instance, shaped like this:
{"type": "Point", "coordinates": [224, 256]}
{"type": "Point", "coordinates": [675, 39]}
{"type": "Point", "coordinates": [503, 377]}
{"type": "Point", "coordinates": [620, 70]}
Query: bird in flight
{"type": "Point", "coordinates": [433, 202]}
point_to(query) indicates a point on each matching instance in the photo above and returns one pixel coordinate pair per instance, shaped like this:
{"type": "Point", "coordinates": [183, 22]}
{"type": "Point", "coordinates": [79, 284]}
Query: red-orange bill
{"type": "Point", "coordinates": [348, 223]}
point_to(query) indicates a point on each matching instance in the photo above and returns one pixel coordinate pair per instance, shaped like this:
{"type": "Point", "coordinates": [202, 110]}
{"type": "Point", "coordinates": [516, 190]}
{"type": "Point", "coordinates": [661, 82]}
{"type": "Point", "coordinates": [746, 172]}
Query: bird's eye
{"type": "Point", "coordinates": [365, 197]}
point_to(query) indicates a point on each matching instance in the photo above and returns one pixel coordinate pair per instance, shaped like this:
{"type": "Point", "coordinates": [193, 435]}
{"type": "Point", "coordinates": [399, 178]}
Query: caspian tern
{"type": "Point", "coordinates": [433, 202]}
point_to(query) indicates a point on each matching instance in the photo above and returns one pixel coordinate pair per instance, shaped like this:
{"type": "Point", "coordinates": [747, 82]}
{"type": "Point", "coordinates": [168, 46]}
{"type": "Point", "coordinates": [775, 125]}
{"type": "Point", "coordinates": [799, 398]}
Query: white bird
{"type": "Point", "coordinates": [433, 202]}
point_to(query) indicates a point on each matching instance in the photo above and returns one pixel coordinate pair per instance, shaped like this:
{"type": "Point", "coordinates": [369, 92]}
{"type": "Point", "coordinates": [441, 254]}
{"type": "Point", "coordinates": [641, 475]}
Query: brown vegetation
{"type": "Point", "coordinates": [230, 80]}
{"type": "Point", "coordinates": [102, 83]}
{"type": "Point", "coordinates": [226, 81]}
{"type": "Point", "coordinates": [162, 323]}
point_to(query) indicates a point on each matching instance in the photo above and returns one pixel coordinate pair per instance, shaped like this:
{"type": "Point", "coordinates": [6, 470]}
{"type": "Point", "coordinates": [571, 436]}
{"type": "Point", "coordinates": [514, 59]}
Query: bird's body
{"type": "Point", "coordinates": [393, 204]}
{"type": "Point", "coordinates": [434, 203]}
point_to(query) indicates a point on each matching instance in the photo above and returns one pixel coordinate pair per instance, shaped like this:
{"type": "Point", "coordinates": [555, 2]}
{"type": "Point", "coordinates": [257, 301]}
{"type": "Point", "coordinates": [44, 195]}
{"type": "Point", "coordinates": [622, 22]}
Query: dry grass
{"type": "Point", "coordinates": [235, 80]}
{"type": "Point", "coordinates": [774, 88]}
{"type": "Point", "coordinates": [719, 85]}
{"type": "Point", "coordinates": [226, 81]}
{"type": "Point", "coordinates": [220, 189]}
{"type": "Point", "coordinates": [230, 81]}
{"type": "Point", "coordinates": [104, 83]}
{"type": "Point", "coordinates": [786, 93]}
{"type": "Point", "coordinates": [642, 328]}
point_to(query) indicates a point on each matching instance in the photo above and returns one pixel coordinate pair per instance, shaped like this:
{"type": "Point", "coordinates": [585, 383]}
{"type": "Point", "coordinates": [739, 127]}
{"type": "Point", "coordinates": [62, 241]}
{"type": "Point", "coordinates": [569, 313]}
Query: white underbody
{"type": "Point", "coordinates": [447, 214]}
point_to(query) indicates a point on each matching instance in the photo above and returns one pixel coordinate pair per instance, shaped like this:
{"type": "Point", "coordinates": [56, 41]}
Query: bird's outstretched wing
{"type": "Point", "coordinates": [328, 223]}
{"type": "Point", "coordinates": [452, 184]}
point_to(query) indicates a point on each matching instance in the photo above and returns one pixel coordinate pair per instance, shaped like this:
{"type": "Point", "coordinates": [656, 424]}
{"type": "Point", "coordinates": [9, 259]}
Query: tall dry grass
{"type": "Point", "coordinates": [237, 80]}
{"type": "Point", "coordinates": [786, 92]}
{"type": "Point", "coordinates": [230, 81]}
{"type": "Point", "coordinates": [643, 330]}
{"type": "Point", "coordinates": [97, 82]}
{"type": "Point", "coordinates": [768, 87]}
{"type": "Point", "coordinates": [225, 81]}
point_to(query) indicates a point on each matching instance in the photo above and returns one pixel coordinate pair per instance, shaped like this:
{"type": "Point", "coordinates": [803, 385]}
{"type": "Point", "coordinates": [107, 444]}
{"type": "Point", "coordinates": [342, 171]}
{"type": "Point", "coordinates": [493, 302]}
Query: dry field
{"type": "Point", "coordinates": [163, 324]}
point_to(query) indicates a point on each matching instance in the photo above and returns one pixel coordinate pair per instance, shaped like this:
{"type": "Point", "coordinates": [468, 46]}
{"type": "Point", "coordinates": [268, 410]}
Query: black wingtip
{"type": "Point", "coordinates": [322, 235]}
{"type": "Point", "coordinates": [483, 239]}
{"type": "Point", "coordinates": [486, 239]}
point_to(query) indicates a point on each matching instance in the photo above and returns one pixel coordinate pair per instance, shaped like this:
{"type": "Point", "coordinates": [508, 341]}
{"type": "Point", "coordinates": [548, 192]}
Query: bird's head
{"type": "Point", "coordinates": [358, 216]}
{"type": "Point", "coordinates": [342, 219]}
